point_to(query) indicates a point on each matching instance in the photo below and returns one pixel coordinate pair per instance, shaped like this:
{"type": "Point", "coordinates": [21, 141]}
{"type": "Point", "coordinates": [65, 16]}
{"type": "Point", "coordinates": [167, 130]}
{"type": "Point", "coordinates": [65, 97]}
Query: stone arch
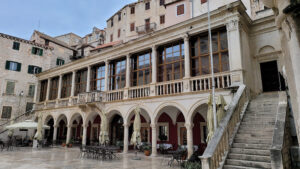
{"type": "Point", "coordinates": [145, 112]}
{"type": "Point", "coordinates": [61, 117]}
{"type": "Point", "coordinates": [74, 116]}
{"type": "Point", "coordinates": [159, 109]}
{"type": "Point", "coordinates": [192, 111]}
{"type": "Point", "coordinates": [266, 49]}
{"type": "Point", "coordinates": [90, 117]}
{"type": "Point", "coordinates": [47, 118]}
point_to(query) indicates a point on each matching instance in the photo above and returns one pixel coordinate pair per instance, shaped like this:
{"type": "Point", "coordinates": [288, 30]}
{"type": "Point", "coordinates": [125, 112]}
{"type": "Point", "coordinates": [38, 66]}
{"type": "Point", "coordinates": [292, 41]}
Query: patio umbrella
{"type": "Point", "coordinates": [103, 137]}
{"type": "Point", "coordinates": [136, 135]}
{"type": "Point", "coordinates": [221, 103]}
{"type": "Point", "coordinates": [38, 134]}
{"type": "Point", "coordinates": [210, 119]}
{"type": "Point", "coordinates": [27, 124]}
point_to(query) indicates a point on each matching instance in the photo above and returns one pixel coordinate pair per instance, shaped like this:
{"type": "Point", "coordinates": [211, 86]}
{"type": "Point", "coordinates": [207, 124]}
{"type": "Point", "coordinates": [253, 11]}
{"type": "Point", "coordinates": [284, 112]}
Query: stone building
{"type": "Point", "coordinates": [166, 72]}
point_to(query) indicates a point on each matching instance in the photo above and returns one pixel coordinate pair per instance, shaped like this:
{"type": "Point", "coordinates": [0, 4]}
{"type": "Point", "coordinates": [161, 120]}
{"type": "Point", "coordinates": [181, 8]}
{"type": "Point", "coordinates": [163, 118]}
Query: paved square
{"type": "Point", "coordinates": [68, 158]}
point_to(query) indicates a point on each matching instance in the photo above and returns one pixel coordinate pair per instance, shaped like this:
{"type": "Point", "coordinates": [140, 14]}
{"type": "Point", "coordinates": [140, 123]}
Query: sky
{"type": "Point", "coordinates": [56, 17]}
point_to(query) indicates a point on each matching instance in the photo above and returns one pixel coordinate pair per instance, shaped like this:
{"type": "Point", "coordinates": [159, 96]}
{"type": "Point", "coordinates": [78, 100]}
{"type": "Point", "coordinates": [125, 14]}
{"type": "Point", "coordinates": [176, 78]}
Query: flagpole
{"type": "Point", "coordinates": [212, 67]}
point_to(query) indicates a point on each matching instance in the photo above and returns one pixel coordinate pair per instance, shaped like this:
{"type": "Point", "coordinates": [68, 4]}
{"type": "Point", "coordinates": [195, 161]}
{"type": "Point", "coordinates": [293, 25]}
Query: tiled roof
{"type": "Point", "coordinates": [107, 45]}
{"type": "Point", "coordinates": [24, 41]}
{"type": "Point", "coordinates": [61, 43]}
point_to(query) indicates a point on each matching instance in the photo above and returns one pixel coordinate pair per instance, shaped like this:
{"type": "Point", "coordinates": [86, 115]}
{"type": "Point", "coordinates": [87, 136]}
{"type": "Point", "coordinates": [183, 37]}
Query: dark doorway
{"type": "Point", "coordinates": [49, 132]}
{"type": "Point", "coordinates": [270, 76]}
{"type": "Point", "coordinates": [117, 130]}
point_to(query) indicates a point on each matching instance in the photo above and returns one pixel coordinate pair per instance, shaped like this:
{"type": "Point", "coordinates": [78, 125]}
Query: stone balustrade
{"type": "Point", "coordinates": [139, 92]}
{"type": "Point", "coordinates": [218, 147]}
{"type": "Point", "coordinates": [169, 88]}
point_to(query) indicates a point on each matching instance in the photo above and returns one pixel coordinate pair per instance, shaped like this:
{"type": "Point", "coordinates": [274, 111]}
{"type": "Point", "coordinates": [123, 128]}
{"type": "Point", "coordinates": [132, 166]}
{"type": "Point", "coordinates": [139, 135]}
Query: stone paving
{"type": "Point", "coordinates": [68, 158]}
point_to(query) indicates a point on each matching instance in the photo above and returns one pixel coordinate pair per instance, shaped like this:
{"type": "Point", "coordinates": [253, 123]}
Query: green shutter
{"type": "Point", "coordinates": [40, 69]}
{"type": "Point", "coordinates": [19, 67]}
{"type": "Point", "coordinates": [41, 52]}
{"type": "Point", "coordinates": [30, 69]}
{"type": "Point", "coordinates": [63, 62]}
{"type": "Point", "coordinates": [7, 65]}
{"type": "Point", "coordinates": [32, 50]}
{"type": "Point", "coordinates": [57, 61]}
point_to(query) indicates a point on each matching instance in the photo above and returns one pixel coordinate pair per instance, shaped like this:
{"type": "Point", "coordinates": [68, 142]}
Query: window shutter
{"type": "Point", "coordinates": [30, 69]}
{"type": "Point", "coordinates": [57, 61]}
{"type": "Point", "coordinates": [32, 50]}
{"type": "Point", "coordinates": [18, 67]}
{"type": "Point", "coordinates": [7, 65]}
{"type": "Point", "coordinates": [63, 62]}
{"type": "Point", "coordinates": [41, 52]}
{"type": "Point", "coordinates": [40, 69]}
{"type": "Point", "coordinates": [10, 87]}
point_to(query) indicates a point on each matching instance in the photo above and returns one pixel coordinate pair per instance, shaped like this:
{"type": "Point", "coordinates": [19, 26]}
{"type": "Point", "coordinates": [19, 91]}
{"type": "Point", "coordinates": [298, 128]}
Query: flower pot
{"type": "Point", "coordinates": [63, 144]}
{"type": "Point", "coordinates": [147, 152]}
{"type": "Point", "coordinates": [70, 145]}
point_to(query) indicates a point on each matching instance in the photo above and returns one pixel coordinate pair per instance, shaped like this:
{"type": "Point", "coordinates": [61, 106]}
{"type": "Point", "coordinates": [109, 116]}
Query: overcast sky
{"type": "Point", "coordinates": [56, 17]}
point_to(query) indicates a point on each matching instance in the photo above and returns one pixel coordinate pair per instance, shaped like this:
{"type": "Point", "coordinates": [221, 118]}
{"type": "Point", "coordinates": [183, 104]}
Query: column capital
{"type": "Point", "coordinates": [153, 125]}
{"type": "Point", "coordinates": [85, 125]}
{"type": "Point", "coordinates": [189, 125]}
{"type": "Point", "coordinates": [232, 24]}
{"type": "Point", "coordinates": [154, 47]}
{"type": "Point", "coordinates": [126, 125]}
{"type": "Point", "coordinates": [69, 126]}
{"type": "Point", "coordinates": [61, 75]}
{"type": "Point", "coordinates": [128, 55]}
{"type": "Point", "coordinates": [186, 37]}
{"type": "Point", "coordinates": [55, 126]}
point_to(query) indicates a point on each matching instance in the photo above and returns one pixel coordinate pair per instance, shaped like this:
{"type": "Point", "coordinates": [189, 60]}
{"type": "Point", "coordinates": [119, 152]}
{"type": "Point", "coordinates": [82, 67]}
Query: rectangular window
{"type": "Point", "coordinates": [66, 85]}
{"type": "Point", "coordinates": [111, 37]}
{"type": "Point", "coordinates": [117, 74]}
{"type": "Point", "coordinates": [162, 2]}
{"type": "Point", "coordinates": [147, 5]}
{"type": "Point", "coordinates": [171, 62]}
{"type": "Point", "coordinates": [43, 92]}
{"type": "Point", "coordinates": [6, 112]}
{"type": "Point", "coordinates": [37, 51]}
{"type": "Point", "coordinates": [162, 19]}
{"type": "Point", "coordinates": [31, 90]}
{"type": "Point", "coordinates": [112, 22]}
{"type": "Point", "coordinates": [10, 87]}
{"type": "Point", "coordinates": [132, 10]}
{"type": "Point", "coordinates": [47, 42]}
{"type": "Point", "coordinates": [203, 1]}
{"type": "Point", "coordinates": [16, 45]}
{"type": "Point", "coordinates": [34, 69]}
{"type": "Point", "coordinates": [200, 62]}
{"type": "Point", "coordinates": [14, 66]}
{"type": "Point", "coordinates": [80, 81]}
{"type": "Point", "coordinates": [98, 78]}
{"type": "Point", "coordinates": [53, 88]}
{"type": "Point", "coordinates": [29, 107]}
{"type": "Point", "coordinates": [180, 9]}
{"type": "Point", "coordinates": [119, 33]}
{"type": "Point", "coordinates": [119, 16]}
{"type": "Point", "coordinates": [131, 27]}
{"type": "Point", "coordinates": [141, 69]}
{"type": "Point", "coordinates": [60, 62]}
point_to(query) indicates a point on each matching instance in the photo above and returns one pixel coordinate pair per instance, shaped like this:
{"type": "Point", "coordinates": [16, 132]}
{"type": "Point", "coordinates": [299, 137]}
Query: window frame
{"type": "Point", "coordinates": [37, 51]}
{"type": "Point", "coordinates": [161, 2]}
{"type": "Point", "coordinates": [162, 19]}
{"type": "Point", "coordinates": [16, 45]}
{"type": "Point", "coordinates": [54, 88]}
{"type": "Point", "coordinates": [95, 70]}
{"type": "Point", "coordinates": [80, 81]}
{"type": "Point", "coordinates": [132, 10]}
{"type": "Point", "coordinates": [31, 90]}
{"type": "Point", "coordinates": [132, 26]}
{"type": "Point", "coordinates": [32, 69]}
{"type": "Point", "coordinates": [135, 61]}
{"type": "Point", "coordinates": [119, 33]}
{"type": "Point", "coordinates": [43, 90]}
{"type": "Point", "coordinates": [7, 92]}
{"type": "Point", "coordinates": [147, 5]}
{"type": "Point", "coordinates": [66, 85]}
{"type": "Point", "coordinates": [9, 66]}
{"type": "Point", "coordinates": [3, 112]}
{"type": "Point", "coordinates": [177, 9]}
{"type": "Point", "coordinates": [114, 83]}
{"type": "Point", "coordinates": [60, 61]}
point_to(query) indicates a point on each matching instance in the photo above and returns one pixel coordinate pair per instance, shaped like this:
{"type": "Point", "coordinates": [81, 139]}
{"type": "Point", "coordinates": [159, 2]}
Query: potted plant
{"type": "Point", "coordinates": [147, 149]}
{"type": "Point", "coordinates": [63, 144]}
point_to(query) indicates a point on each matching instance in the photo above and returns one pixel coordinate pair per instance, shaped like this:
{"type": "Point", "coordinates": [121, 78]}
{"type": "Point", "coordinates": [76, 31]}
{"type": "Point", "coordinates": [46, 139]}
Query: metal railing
{"type": "Point", "coordinates": [146, 28]}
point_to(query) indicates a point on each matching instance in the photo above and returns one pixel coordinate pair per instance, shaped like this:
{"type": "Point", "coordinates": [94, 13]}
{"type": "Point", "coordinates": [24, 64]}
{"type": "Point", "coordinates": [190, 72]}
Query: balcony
{"type": "Point", "coordinates": [203, 83]}
{"type": "Point", "coordinates": [146, 28]}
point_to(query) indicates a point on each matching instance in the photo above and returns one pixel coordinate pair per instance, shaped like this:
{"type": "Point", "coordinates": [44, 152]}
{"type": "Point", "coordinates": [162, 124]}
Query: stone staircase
{"type": "Point", "coordinates": [252, 143]}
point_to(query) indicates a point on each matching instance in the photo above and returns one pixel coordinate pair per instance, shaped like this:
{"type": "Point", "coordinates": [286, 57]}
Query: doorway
{"type": "Point", "coordinates": [270, 77]}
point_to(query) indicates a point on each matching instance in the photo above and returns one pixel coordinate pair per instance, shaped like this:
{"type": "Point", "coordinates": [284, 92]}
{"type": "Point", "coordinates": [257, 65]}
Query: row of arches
{"type": "Point", "coordinates": [170, 126]}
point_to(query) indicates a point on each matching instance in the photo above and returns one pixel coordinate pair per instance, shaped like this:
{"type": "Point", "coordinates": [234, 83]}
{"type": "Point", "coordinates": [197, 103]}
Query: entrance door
{"type": "Point", "coordinates": [183, 137]}
{"type": "Point", "coordinates": [270, 76]}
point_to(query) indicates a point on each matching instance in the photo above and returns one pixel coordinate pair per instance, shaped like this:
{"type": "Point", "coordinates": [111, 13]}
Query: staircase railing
{"type": "Point", "coordinates": [280, 156]}
{"type": "Point", "coordinates": [219, 145]}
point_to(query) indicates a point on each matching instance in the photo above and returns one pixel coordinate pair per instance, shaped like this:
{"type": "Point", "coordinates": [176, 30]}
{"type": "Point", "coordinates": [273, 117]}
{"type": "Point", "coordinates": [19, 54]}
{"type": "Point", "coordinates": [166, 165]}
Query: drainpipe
{"type": "Point", "coordinates": [192, 15]}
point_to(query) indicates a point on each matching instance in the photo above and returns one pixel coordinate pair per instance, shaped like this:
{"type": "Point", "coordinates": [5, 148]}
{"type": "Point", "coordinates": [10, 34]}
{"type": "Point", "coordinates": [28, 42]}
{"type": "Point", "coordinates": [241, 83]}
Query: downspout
{"type": "Point", "coordinates": [192, 15]}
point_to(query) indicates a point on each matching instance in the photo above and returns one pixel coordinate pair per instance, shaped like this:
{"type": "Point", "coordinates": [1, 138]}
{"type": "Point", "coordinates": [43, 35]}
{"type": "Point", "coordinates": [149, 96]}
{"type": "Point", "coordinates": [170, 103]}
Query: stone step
{"type": "Point", "coordinates": [261, 113]}
{"type": "Point", "coordinates": [250, 151]}
{"type": "Point", "coordinates": [257, 123]}
{"type": "Point", "coordinates": [252, 146]}
{"type": "Point", "coordinates": [254, 135]}
{"type": "Point", "coordinates": [257, 158]}
{"type": "Point", "coordinates": [259, 119]}
{"type": "Point", "coordinates": [261, 127]}
{"type": "Point", "coordinates": [237, 167]}
{"type": "Point", "coordinates": [248, 163]}
{"type": "Point", "coordinates": [252, 140]}
{"type": "Point", "coordinates": [255, 131]}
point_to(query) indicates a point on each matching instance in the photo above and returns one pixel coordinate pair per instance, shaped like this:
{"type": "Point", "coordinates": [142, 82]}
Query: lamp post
{"type": "Point", "coordinates": [212, 67]}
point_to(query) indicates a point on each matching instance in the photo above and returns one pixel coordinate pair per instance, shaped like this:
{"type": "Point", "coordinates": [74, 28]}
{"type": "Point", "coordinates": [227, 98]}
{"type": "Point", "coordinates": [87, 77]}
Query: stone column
{"type": "Point", "coordinates": [154, 140]}
{"type": "Point", "coordinates": [48, 89]}
{"type": "Point", "coordinates": [36, 89]}
{"type": "Point", "coordinates": [154, 64]}
{"type": "Point", "coordinates": [59, 87]}
{"type": "Point", "coordinates": [73, 83]}
{"type": "Point", "coordinates": [84, 135]}
{"type": "Point", "coordinates": [128, 69]}
{"type": "Point", "coordinates": [54, 133]}
{"type": "Point", "coordinates": [69, 134]}
{"type": "Point", "coordinates": [189, 133]}
{"type": "Point", "coordinates": [88, 79]}
{"type": "Point", "coordinates": [126, 128]}
{"type": "Point", "coordinates": [106, 88]}
{"type": "Point", "coordinates": [234, 49]}
{"type": "Point", "coordinates": [187, 59]}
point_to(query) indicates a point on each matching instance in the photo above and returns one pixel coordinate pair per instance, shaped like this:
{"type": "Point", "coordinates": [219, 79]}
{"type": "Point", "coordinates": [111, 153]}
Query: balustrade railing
{"type": "Point", "coordinates": [223, 136]}
{"type": "Point", "coordinates": [39, 106]}
{"type": "Point", "coordinates": [96, 96]}
{"type": "Point", "coordinates": [168, 88]}
{"type": "Point", "coordinates": [50, 104]}
{"type": "Point", "coordinates": [74, 101]}
{"type": "Point", "coordinates": [139, 92]}
{"type": "Point", "coordinates": [82, 98]}
{"type": "Point", "coordinates": [146, 28]}
{"type": "Point", "coordinates": [222, 80]}
{"type": "Point", "coordinates": [114, 95]}
{"type": "Point", "coordinates": [63, 102]}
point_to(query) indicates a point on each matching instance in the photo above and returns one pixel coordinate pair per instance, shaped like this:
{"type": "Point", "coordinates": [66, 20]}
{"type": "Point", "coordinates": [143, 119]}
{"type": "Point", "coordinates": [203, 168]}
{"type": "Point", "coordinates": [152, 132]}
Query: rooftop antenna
{"type": "Point", "coordinates": [212, 67]}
